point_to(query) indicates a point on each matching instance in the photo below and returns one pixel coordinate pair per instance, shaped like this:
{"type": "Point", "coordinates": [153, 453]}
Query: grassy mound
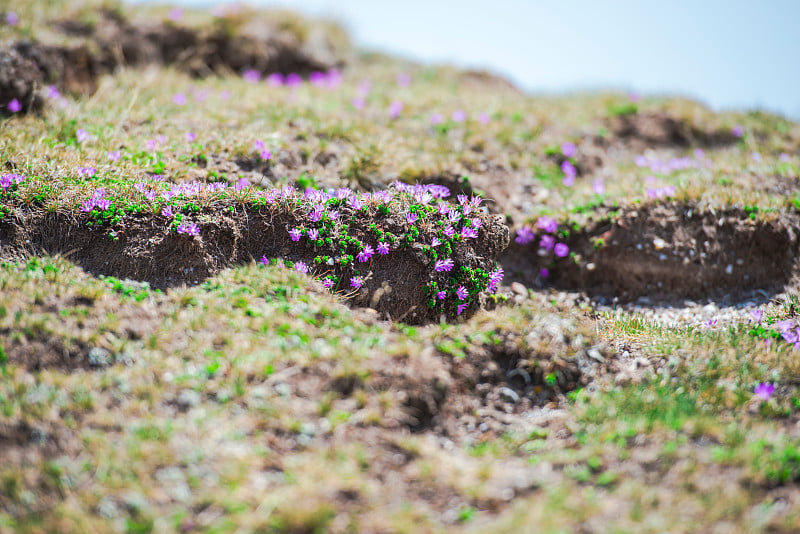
{"type": "Point", "coordinates": [252, 280]}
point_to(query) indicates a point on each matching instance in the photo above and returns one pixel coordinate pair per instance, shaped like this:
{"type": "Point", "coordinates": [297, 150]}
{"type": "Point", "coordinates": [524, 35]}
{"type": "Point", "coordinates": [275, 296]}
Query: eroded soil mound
{"type": "Point", "coordinates": [659, 129]}
{"type": "Point", "coordinates": [680, 250]}
{"type": "Point", "coordinates": [400, 283]}
{"type": "Point", "coordinates": [231, 44]}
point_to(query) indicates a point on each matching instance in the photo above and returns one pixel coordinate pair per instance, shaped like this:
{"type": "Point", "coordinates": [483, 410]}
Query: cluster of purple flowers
{"type": "Point", "coordinates": [661, 192]}
{"type": "Point", "coordinates": [660, 166]}
{"type": "Point", "coordinates": [96, 201]}
{"type": "Point", "coordinates": [547, 242]}
{"type": "Point", "coordinates": [495, 277]}
{"type": "Point", "coordinates": [790, 332]}
{"type": "Point", "coordinates": [7, 180]}
{"type": "Point", "coordinates": [365, 254]}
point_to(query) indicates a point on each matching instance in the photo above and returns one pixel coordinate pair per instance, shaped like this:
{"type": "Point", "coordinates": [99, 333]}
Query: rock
{"type": "Point", "coordinates": [519, 289]}
{"type": "Point", "coordinates": [509, 395]}
{"type": "Point", "coordinates": [188, 398]}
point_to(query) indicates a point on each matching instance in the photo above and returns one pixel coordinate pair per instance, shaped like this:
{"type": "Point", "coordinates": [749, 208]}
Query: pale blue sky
{"type": "Point", "coordinates": [727, 54]}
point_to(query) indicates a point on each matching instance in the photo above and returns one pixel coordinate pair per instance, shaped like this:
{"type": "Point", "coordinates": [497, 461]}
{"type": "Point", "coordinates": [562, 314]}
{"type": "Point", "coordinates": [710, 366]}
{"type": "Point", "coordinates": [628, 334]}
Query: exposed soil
{"type": "Point", "coordinates": [146, 249]}
{"type": "Point", "coordinates": [678, 250]}
{"type": "Point", "coordinates": [228, 46]}
{"type": "Point", "coordinates": [20, 79]}
{"type": "Point", "coordinates": [658, 129]}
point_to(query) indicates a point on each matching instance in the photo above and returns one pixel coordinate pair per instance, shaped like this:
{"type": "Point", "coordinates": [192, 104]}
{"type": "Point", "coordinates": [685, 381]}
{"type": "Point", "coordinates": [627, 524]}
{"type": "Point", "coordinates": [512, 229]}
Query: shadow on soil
{"type": "Point", "coordinates": [669, 250]}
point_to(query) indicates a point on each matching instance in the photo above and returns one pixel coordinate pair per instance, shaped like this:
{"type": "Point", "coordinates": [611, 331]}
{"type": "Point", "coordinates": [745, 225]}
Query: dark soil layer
{"type": "Point", "coordinates": [228, 46]}
{"type": "Point", "coordinates": [678, 250]}
{"type": "Point", "coordinates": [147, 250]}
{"type": "Point", "coordinates": [657, 129]}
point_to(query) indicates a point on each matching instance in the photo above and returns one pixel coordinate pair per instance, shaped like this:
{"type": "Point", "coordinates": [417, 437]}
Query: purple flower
{"type": "Point", "coordinates": [87, 172]}
{"type": "Point", "coordinates": [598, 186]}
{"type": "Point", "coordinates": [569, 150]}
{"type": "Point", "coordinates": [784, 326]}
{"type": "Point", "coordinates": [365, 254]}
{"type": "Point", "coordinates": [547, 242]}
{"type": "Point", "coordinates": [756, 156]}
{"type": "Point", "coordinates": [151, 144]}
{"type": "Point", "coordinates": [383, 248]}
{"type": "Point", "coordinates": [441, 295]}
{"type": "Point", "coordinates": [524, 235]}
{"type": "Point", "coordinates": [82, 135]}
{"type": "Point", "coordinates": [12, 19]}
{"type": "Point", "coordinates": [449, 231]}
{"type": "Point", "coordinates": [495, 277]}
{"type": "Point", "coordinates": [175, 14]}
{"type": "Point", "coordinates": [764, 390]}
{"type": "Point", "coordinates": [294, 80]}
{"type": "Point", "coordinates": [179, 99]}
{"type": "Point", "coordinates": [561, 250]}
{"type": "Point", "coordinates": [641, 161]}
{"type": "Point", "coordinates": [189, 229]}
{"type": "Point", "coordinates": [469, 232]}
{"type": "Point", "coordinates": [356, 282]}
{"type": "Point", "coordinates": [443, 265]}
{"type": "Point", "coordinates": [295, 234]}
{"type": "Point", "coordinates": [462, 293]}
{"type": "Point", "coordinates": [251, 76]}
{"type": "Point", "coordinates": [333, 215]}
{"type": "Point", "coordinates": [547, 224]}
{"type": "Point", "coordinates": [264, 260]}
{"type": "Point", "coordinates": [190, 137]}
{"type": "Point", "coordinates": [7, 179]}
{"type": "Point", "coordinates": [435, 242]}
{"type": "Point", "coordinates": [317, 78]}
{"type": "Point", "coordinates": [711, 323]}
{"type": "Point", "coordinates": [53, 92]}
{"type": "Point", "coordinates": [167, 212]}
{"type": "Point", "coordinates": [459, 115]}
{"type": "Point", "coordinates": [403, 79]}
{"type": "Point", "coordinates": [436, 118]}
{"type": "Point", "coordinates": [544, 272]}
{"type": "Point", "coordinates": [358, 102]}
{"type": "Point", "coordinates": [14, 106]}
{"type": "Point", "coordinates": [275, 79]}
{"type": "Point", "coordinates": [784, 158]}
{"type": "Point", "coordinates": [484, 118]}
{"type": "Point", "coordinates": [114, 155]}
{"type": "Point", "coordinates": [301, 267]}
{"type": "Point", "coordinates": [364, 87]}
{"type": "Point", "coordinates": [265, 155]}
{"type": "Point", "coordinates": [568, 168]}
{"type": "Point", "coordinates": [757, 315]}
{"type": "Point", "coordinates": [395, 108]}
{"type": "Point", "coordinates": [328, 282]}
{"type": "Point", "coordinates": [738, 130]}
{"type": "Point", "coordinates": [313, 234]}
{"type": "Point", "coordinates": [411, 217]}
{"type": "Point", "coordinates": [316, 213]}
{"type": "Point", "coordinates": [460, 308]}
{"type": "Point", "coordinates": [791, 336]}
